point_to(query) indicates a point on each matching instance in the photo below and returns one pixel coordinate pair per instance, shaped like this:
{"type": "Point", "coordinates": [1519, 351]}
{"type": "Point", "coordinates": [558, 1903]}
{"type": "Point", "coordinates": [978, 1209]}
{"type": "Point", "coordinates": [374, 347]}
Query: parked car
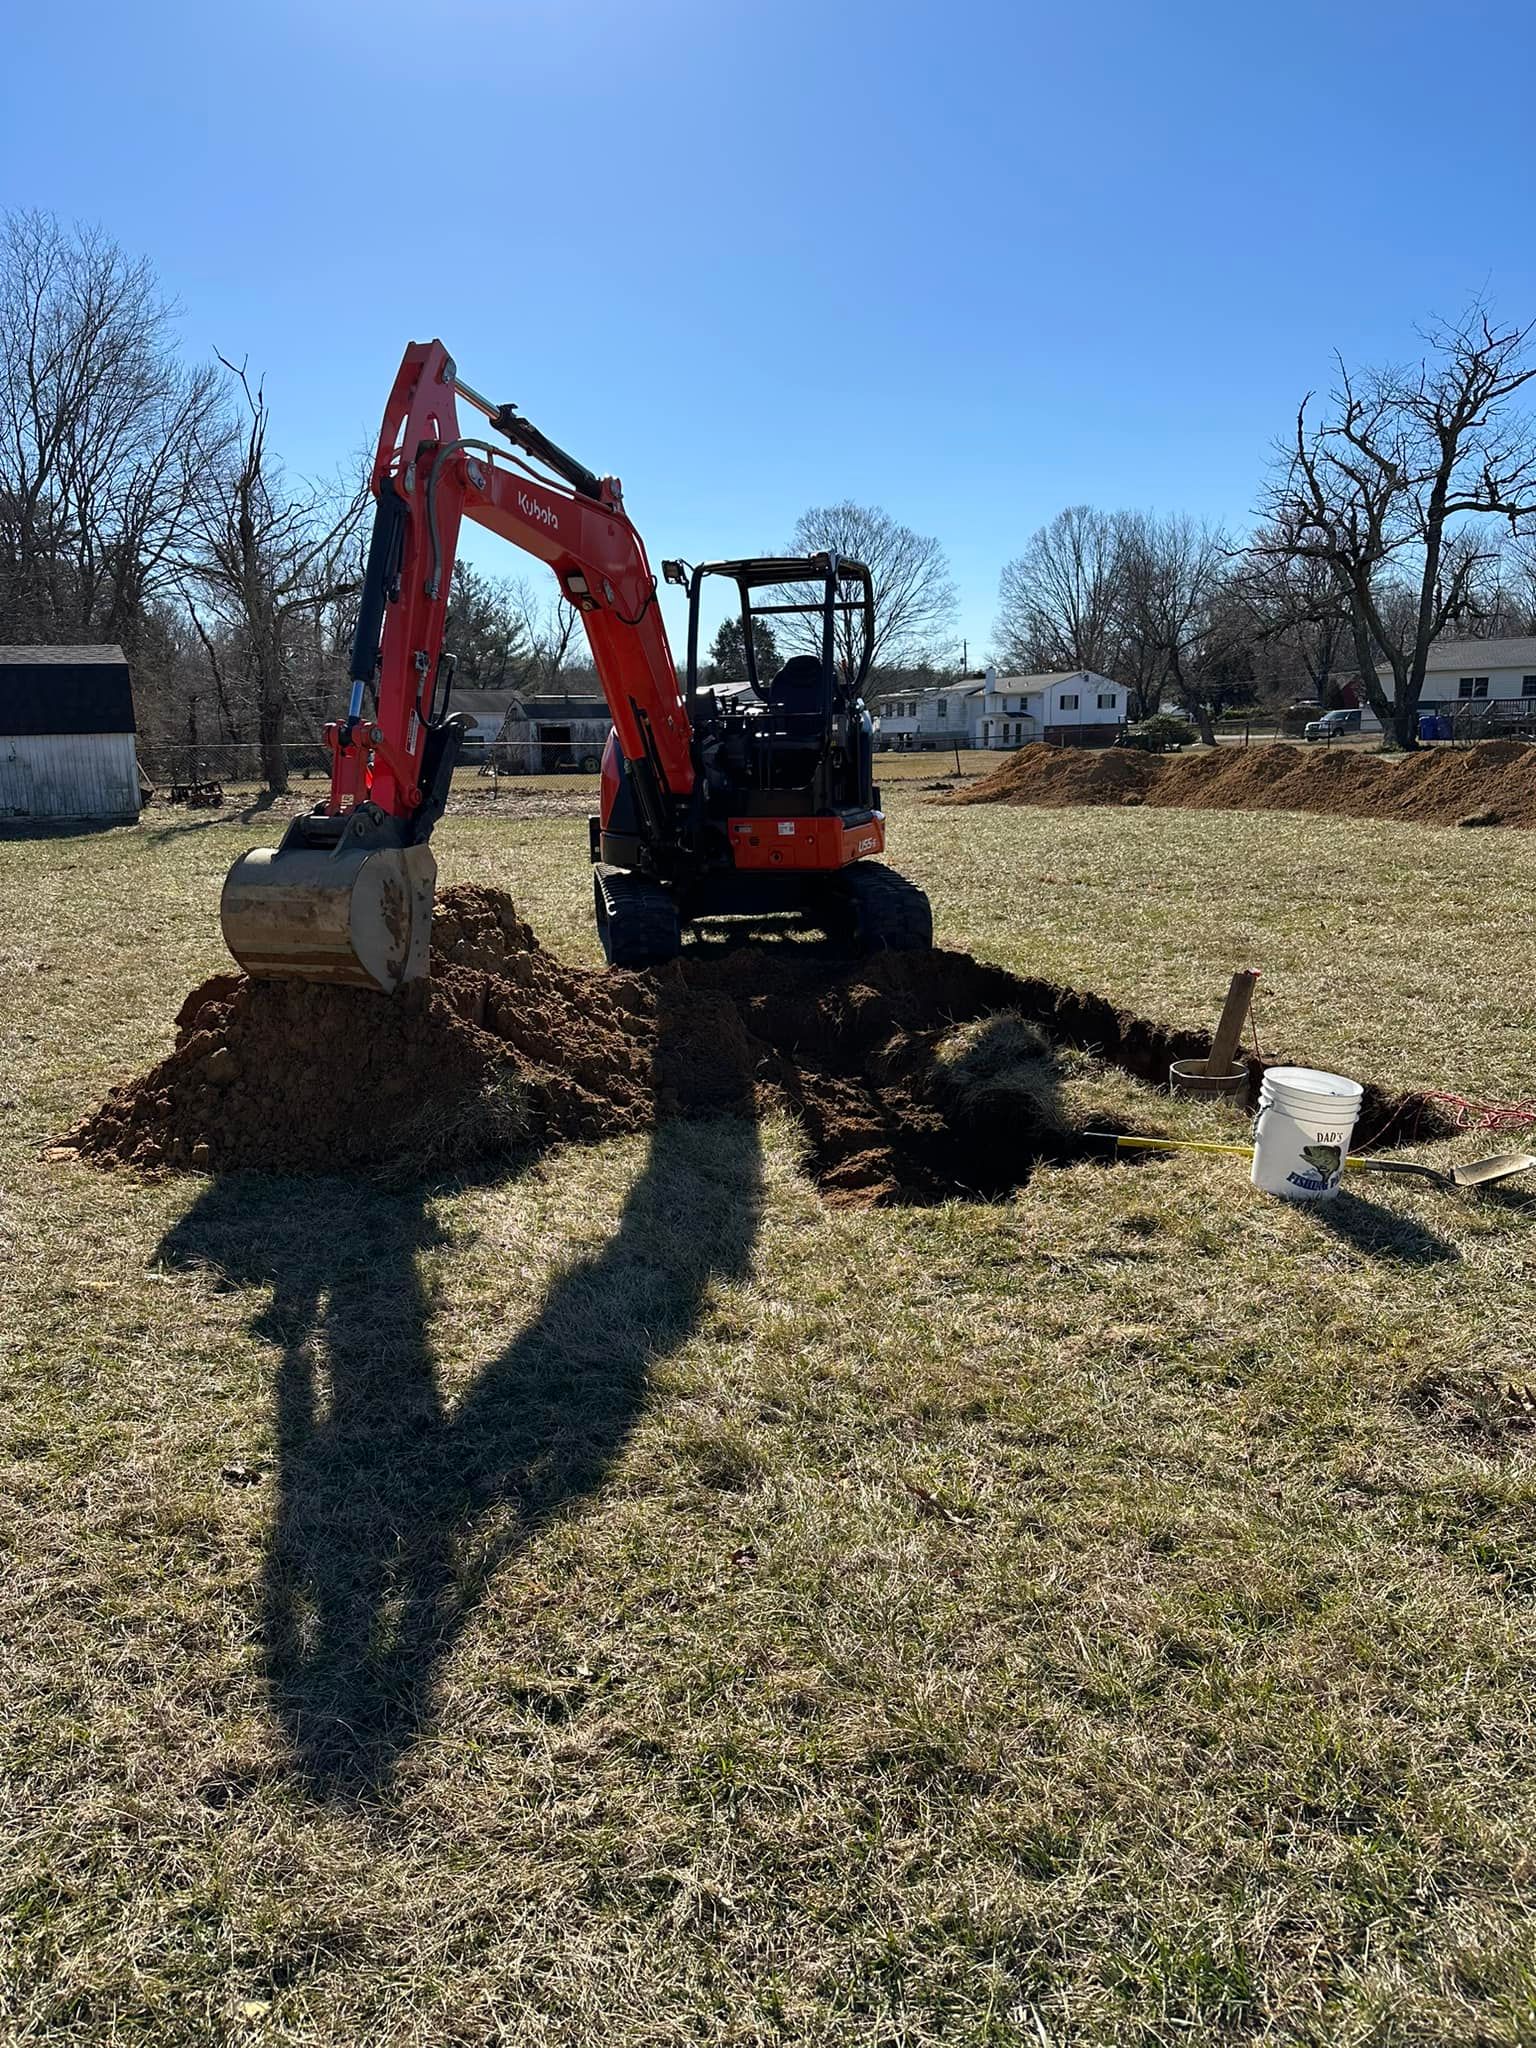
{"type": "Point", "coordinates": [1332, 723]}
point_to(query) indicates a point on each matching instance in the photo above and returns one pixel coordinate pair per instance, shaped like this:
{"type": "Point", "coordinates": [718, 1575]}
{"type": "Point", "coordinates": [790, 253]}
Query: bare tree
{"type": "Point", "coordinates": [265, 561]}
{"type": "Point", "coordinates": [1518, 583]}
{"type": "Point", "coordinates": [1299, 622]}
{"type": "Point", "coordinates": [1176, 618]}
{"type": "Point", "coordinates": [1059, 602]}
{"type": "Point", "coordinates": [1134, 595]}
{"type": "Point", "coordinates": [103, 434]}
{"type": "Point", "coordinates": [914, 596]}
{"type": "Point", "coordinates": [1397, 487]}
{"type": "Point", "coordinates": [552, 622]}
{"type": "Point", "coordinates": [1503, 601]}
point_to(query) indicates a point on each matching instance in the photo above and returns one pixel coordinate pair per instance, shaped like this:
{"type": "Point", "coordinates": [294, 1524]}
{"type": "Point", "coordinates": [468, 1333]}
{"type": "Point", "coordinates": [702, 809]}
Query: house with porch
{"type": "Point", "coordinates": [1487, 681]}
{"type": "Point", "coordinates": [936, 715]}
{"type": "Point", "coordinates": [1069, 708]}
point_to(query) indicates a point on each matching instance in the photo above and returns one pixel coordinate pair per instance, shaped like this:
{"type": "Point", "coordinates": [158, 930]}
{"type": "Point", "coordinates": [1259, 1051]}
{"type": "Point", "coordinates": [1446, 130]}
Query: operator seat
{"type": "Point", "coordinates": [793, 733]}
{"type": "Point", "coordinates": [796, 689]}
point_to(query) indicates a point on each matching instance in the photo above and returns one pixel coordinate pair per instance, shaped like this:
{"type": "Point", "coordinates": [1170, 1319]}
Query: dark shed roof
{"type": "Point", "coordinates": [64, 690]}
{"type": "Point", "coordinates": [554, 709]}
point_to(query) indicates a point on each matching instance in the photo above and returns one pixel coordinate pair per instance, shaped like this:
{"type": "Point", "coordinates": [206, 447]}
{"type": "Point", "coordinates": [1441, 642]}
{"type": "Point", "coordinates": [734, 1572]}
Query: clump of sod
{"type": "Point", "coordinates": [1001, 1079]}
{"type": "Point", "coordinates": [1002, 1083]}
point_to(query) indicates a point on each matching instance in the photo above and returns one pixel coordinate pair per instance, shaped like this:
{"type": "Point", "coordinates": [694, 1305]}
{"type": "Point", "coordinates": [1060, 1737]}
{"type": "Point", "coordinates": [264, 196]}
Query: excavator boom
{"type": "Point", "coordinates": [347, 896]}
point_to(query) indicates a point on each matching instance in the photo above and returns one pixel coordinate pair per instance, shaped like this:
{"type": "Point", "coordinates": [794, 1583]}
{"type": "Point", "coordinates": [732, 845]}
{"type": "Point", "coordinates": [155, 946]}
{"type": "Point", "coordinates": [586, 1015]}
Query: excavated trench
{"type": "Point", "coordinates": [915, 1077]}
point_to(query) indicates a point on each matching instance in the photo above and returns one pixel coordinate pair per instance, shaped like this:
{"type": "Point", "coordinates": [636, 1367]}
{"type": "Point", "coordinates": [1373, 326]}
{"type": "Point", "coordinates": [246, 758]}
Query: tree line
{"type": "Point", "coordinates": [142, 502]}
{"type": "Point", "coordinates": [1400, 508]}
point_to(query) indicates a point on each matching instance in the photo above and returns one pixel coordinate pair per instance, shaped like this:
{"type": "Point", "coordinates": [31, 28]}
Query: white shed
{"type": "Point", "coordinates": [487, 712]}
{"type": "Point", "coordinates": [554, 732]}
{"type": "Point", "coordinates": [66, 735]}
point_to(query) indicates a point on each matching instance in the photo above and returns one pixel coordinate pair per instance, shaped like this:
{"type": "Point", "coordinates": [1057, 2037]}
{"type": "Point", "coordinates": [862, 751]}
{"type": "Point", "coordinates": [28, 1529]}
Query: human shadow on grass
{"type": "Point", "coordinates": [394, 1505]}
{"type": "Point", "coordinates": [16, 829]}
{"type": "Point", "coordinates": [1380, 1233]}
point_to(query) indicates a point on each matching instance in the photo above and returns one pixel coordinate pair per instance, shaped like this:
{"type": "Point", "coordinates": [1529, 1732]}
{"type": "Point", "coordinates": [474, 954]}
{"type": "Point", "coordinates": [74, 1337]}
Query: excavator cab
{"type": "Point", "coordinates": [802, 730]}
{"type": "Point", "coordinates": [784, 812]}
{"type": "Point", "coordinates": [830, 597]}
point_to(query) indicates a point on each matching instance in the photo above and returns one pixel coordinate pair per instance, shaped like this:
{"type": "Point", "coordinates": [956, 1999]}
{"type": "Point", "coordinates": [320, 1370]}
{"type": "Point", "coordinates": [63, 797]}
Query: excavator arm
{"type": "Point", "coordinates": [428, 478]}
{"type": "Point", "coordinates": [347, 896]}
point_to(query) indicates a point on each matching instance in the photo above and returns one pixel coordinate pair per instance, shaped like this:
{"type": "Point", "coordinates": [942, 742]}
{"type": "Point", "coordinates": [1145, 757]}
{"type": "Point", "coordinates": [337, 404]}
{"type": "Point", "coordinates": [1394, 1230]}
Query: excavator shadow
{"type": "Point", "coordinates": [159, 825]}
{"type": "Point", "coordinates": [395, 1504]}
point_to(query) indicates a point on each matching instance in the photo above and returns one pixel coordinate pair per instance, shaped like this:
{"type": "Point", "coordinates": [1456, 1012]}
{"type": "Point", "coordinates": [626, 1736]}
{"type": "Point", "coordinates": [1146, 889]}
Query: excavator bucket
{"type": "Point", "coordinates": [356, 916]}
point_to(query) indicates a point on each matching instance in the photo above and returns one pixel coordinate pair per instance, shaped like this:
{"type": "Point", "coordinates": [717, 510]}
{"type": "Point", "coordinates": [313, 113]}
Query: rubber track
{"type": "Point", "coordinates": [890, 913]}
{"type": "Point", "coordinates": [643, 928]}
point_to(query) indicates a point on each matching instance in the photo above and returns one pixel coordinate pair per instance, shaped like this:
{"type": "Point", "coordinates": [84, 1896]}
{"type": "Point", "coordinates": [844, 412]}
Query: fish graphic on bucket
{"type": "Point", "coordinates": [1304, 1128]}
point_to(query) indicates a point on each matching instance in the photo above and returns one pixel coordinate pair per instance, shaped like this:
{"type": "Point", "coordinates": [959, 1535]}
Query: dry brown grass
{"type": "Point", "coordinates": [629, 1603]}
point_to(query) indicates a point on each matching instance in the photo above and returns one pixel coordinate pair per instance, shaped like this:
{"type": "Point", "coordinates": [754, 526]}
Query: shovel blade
{"type": "Point", "coordinates": [1480, 1173]}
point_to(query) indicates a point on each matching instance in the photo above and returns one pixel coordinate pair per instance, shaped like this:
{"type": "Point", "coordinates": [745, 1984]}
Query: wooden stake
{"type": "Point", "coordinates": [1234, 1014]}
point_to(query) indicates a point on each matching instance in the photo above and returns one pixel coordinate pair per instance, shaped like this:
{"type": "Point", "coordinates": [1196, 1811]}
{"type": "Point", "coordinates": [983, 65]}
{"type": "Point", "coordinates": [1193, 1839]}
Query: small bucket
{"type": "Point", "coordinates": [1189, 1077]}
{"type": "Point", "coordinates": [1303, 1130]}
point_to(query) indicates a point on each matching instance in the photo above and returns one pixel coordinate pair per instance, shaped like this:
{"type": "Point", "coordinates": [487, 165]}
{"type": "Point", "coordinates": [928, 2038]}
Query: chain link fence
{"type": "Point", "coordinates": [1462, 726]}
{"type": "Point", "coordinates": [168, 764]}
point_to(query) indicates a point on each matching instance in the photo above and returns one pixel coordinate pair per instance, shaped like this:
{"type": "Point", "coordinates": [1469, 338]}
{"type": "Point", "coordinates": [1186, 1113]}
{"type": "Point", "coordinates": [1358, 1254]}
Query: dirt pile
{"type": "Point", "coordinates": [1057, 778]}
{"type": "Point", "coordinates": [1435, 787]}
{"type": "Point", "coordinates": [905, 1069]}
{"type": "Point", "coordinates": [498, 1048]}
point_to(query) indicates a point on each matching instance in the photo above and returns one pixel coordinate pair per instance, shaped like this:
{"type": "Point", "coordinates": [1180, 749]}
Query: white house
{"type": "Point", "coordinates": [66, 735]}
{"type": "Point", "coordinates": [1076, 707]}
{"type": "Point", "coordinates": [935, 716]}
{"type": "Point", "coordinates": [1494, 677]}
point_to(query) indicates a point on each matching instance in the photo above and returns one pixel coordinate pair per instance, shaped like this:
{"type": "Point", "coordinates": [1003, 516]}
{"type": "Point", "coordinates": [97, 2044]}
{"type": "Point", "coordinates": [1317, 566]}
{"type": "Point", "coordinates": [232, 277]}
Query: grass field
{"type": "Point", "coordinates": [627, 1602]}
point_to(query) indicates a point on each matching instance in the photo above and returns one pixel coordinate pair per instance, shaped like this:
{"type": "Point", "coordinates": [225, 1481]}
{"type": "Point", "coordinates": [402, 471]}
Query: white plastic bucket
{"type": "Point", "coordinates": [1305, 1123]}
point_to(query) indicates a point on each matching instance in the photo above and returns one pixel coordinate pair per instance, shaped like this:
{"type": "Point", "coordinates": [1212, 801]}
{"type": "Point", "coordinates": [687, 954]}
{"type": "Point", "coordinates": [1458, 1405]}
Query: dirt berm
{"type": "Point", "coordinates": [914, 1076]}
{"type": "Point", "coordinates": [1493, 782]}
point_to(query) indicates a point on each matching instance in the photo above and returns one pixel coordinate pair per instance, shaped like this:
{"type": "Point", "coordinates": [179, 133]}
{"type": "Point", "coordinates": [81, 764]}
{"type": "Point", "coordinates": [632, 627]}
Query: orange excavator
{"type": "Point", "coordinates": [749, 798]}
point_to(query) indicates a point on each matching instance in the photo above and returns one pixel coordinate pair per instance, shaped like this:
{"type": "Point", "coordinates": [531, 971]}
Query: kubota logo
{"type": "Point", "coordinates": [532, 509]}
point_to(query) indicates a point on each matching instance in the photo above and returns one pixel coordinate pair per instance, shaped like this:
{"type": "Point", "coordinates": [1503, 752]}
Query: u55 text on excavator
{"type": "Point", "coordinates": [751, 798]}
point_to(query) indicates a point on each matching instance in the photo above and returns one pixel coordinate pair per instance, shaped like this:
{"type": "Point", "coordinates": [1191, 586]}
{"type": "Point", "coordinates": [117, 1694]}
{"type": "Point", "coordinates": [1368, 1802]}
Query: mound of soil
{"type": "Point", "coordinates": [501, 1046]}
{"type": "Point", "coordinates": [1434, 787]}
{"type": "Point", "coordinates": [1058, 778]}
{"type": "Point", "coordinates": [505, 1050]}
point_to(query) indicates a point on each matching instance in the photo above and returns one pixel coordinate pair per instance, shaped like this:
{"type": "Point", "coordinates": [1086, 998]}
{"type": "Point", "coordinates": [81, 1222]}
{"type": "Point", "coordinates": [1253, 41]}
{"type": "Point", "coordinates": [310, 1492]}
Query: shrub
{"type": "Point", "coordinates": [1163, 733]}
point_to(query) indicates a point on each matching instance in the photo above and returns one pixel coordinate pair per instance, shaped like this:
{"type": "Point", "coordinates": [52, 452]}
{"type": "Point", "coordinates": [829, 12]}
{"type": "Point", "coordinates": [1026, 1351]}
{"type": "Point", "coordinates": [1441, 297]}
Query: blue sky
{"type": "Point", "coordinates": [970, 262]}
